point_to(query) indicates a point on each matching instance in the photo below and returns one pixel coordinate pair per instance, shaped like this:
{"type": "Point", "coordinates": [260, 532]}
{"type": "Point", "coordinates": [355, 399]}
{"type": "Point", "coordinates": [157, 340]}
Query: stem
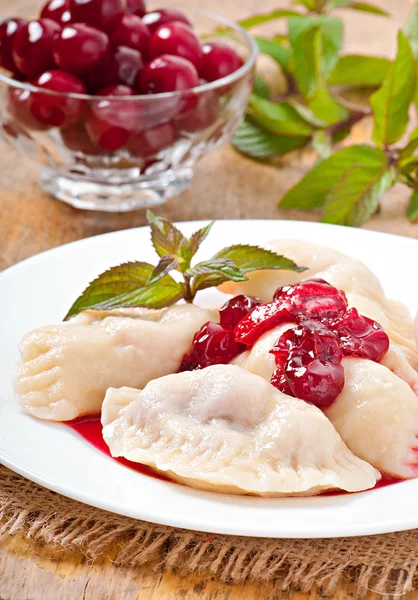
{"type": "Point", "coordinates": [188, 296]}
{"type": "Point", "coordinates": [354, 118]}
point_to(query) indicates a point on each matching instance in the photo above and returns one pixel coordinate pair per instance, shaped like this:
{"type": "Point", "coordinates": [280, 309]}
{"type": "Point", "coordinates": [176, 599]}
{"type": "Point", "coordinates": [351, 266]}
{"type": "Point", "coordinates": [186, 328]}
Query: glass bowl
{"type": "Point", "coordinates": [136, 151]}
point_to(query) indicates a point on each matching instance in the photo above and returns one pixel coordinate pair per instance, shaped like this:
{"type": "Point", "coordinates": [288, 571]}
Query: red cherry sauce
{"type": "Point", "coordinates": [90, 428]}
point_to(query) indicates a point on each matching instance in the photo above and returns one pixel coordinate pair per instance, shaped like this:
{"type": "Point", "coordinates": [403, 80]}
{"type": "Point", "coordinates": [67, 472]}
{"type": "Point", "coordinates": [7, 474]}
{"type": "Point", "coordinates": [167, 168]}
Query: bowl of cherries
{"type": "Point", "coordinates": [117, 101]}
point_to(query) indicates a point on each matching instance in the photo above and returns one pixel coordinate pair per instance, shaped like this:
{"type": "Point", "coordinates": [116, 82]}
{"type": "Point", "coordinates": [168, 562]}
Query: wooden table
{"type": "Point", "coordinates": [226, 186]}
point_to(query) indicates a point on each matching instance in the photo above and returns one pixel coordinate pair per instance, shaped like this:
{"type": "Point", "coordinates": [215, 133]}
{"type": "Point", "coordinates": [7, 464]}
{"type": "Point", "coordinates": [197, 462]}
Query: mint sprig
{"type": "Point", "coordinates": [319, 99]}
{"type": "Point", "coordinates": [141, 284]}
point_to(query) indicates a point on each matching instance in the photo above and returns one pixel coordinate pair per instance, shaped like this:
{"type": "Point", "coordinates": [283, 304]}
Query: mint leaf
{"type": "Point", "coordinates": [277, 51]}
{"type": "Point", "coordinates": [322, 143]}
{"type": "Point", "coordinates": [167, 263]}
{"type": "Point", "coordinates": [261, 88]}
{"type": "Point", "coordinates": [411, 30]}
{"type": "Point", "coordinates": [164, 292]}
{"type": "Point", "coordinates": [252, 140]}
{"type": "Point", "coordinates": [316, 43]}
{"type": "Point", "coordinates": [122, 279]}
{"type": "Point", "coordinates": [408, 165]}
{"type": "Point", "coordinates": [189, 248]}
{"type": "Point", "coordinates": [213, 272]}
{"type": "Point", "coordinates": [252, 258]}
{"type": "Point", "coordinates": [411, 146]}
{"type": "Point", "coordinates": [412, 211]}
{"type": "Point", "coordinates": [355, 197]}
{"type": "Point", "coordinates": [362, 6]}
{"type": "Point", "coordinates": [266, 18]}
{"type": "Point", "coordinates": [391, 102]}
{"type": "Point", "coordinates": [165, 237]}
{"type": "Point", "coordinates": [313, 190]}
{"type": "Point", "coordinates": [357, 70]}
{"type": "Point", "coordinates": [278, 117]}
{"type": "Point", "coordinates": [306, 114]}
{"type": "Point", "coordinates": [326, 108]}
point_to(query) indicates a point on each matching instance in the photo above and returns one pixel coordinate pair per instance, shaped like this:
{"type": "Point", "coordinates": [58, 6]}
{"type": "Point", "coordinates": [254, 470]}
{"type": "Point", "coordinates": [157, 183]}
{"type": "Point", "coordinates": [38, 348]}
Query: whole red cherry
{"type": "Point", "coordinates": [111, 121]}
{"type": "Point", "coordinates": [130, 31]}
{"type": "Point", "coordinates": [55, 110]}
{"type": "Point", "coordinates": [77, 139]}
{"type": "Point", "coordinates": [160, 16]}
{"type": "Point", "coordinates": [58, 11]}
{"type": "Point", "coordinates": [177, 39]}
{"type": "Point", "coordinates": [167, 74]}
{"type": "Point", "coordinates": [123, 68]}
{"type": "Point", "coordinates": [218, 60]}
{"type": "Point", "coordinates": [8, 30]}
{"type": "Point", "coordinates": [80, 49]}
{"type": "Point", "coordinates": [136, 7]}
{"type": "Point", "coordinates": [103, 14]}
{"type": "Point", "coordinates": [19, 107]}
{"type": "Point", "coordinates": [149, 142]}
{"type": "Point", "coordinates": [32, 46]}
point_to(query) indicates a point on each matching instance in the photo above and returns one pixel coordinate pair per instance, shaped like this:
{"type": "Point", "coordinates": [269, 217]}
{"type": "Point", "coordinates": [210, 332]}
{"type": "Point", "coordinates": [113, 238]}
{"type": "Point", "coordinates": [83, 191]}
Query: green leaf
{"type": "Point", "coordinates": [158, 295]}
{"type": "Point", "coordinates": [408, 165]}
{"type": "Point", "coordinates": [277, 51]}
{"type": "Point", "coordinates": [411, 30]}
{"type": "Point", "coordinates": [313, 190]}
{"type": "Point", "coordinates": [252, 140]}
{"type": "Point", "coordinates": [326, 108]}
{"type": "Point", "coordinates": [278, 117]}
{"type": "Point", "coordinates": [118, 281]}
{"type": "Point", "coordinates": [316, 43]}
{"type": "Point", "coordinates": [362, 6]}
{"type": "Point", "coordinates": [412, 145]}
{"type": "Point", "coordinates": [357, 70]}
{"type": "Point", "coordinates": [167, 263]}
{"type": "Point", "coordinates": [412, 210]}
{"type": "Point", "coordinates": [322, 143]}
{"type": "Point", "coordinates": [261, 88]}
{"type": "Point", "coordinates": [189, 248]}
{"type": "Point", "coordinates": [306, 114]}
{"type": "Point", "coordinates": [165, 237]}
{"type": "Point", "coordinates": [266, 18]}
{"type": "Point", "coordinates": [391, 102]}
{"type": "Point", "coordinates": [355, 197]}
{"type": "Point", "coordinates": [310, 4]}
{"type": "Point", "coordinates": [213, 272]}
{"type": "Point", "coordinates": [253, 258]}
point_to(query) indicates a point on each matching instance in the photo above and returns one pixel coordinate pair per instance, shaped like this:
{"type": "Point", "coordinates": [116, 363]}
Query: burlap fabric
{"type": "Point", "coordinates": [386, 564]}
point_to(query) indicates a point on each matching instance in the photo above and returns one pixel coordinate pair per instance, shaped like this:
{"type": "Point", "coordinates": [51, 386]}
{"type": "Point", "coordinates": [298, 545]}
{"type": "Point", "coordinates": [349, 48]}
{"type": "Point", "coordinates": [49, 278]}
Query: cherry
{"type": "Point", "coordinates": [167, 74]}
{"type": "Point", "coordinates": [80, 49]}
{"type": "Point", "coordinates": [8, 30]}
{"type": "Point", "coordinates": [103, 14]}
{"type": "Point", "coordinates": [213, 344]}
{"type": "Point", "coordinates": [58, 11]}
{"type": "Point", "coordinates": [309, 364]}
{"type": "Point", "coordinates": [218, 60]}
{"type": "Point", "coordinates": [234, 310]}
{"type": "Point", "coordinates": [32, 46]}
{"type": "Point", "coordinates": [123, 67]}
{"type": "Point", "coordinates": [149, 142]}
{"type": "Point", "coordinates": [178, 39]}
{"type": "Point", "coordinates": [136, 7]}
{"type": "Point", "coordinates": [111, 122]}
{"type": "Point", "coordinates": [202, 116]}
{"type": "Point", "coordinates": [19, 107]}
{"type": "Point", "coordinates": [53, 109]}
{"type": "Point", "coordinates": [131, 32]}
{"type": "Point", "coordinates": [154, 19]}
{"type": "Point", "coordinates": [361, 336]}
{"type": "Point", "coordinates": [312, 299]}
{"type": "Point", "coordinates": [77, 139]}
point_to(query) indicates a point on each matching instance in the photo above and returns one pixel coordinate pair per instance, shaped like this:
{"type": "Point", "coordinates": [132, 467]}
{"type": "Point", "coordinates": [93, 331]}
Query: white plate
{"type": "Point", "coordinates": [39, 291]}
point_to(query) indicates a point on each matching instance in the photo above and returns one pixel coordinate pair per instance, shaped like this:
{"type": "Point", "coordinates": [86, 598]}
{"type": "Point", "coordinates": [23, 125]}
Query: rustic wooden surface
{"type": "Point", "coordinates": [226, 186]}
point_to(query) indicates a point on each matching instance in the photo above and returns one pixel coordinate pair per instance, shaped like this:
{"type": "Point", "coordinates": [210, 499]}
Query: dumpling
{"type": "Point", "coordinates": [223, 429]}
{"type": "Point", "coordinates": [65, 369]}
{"type": "Point", "coordinates": [362, 287]}
{"type": "Point", "coordinates": [377, 412]}
{"type": "Point", "coordinates": [377, 416]}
